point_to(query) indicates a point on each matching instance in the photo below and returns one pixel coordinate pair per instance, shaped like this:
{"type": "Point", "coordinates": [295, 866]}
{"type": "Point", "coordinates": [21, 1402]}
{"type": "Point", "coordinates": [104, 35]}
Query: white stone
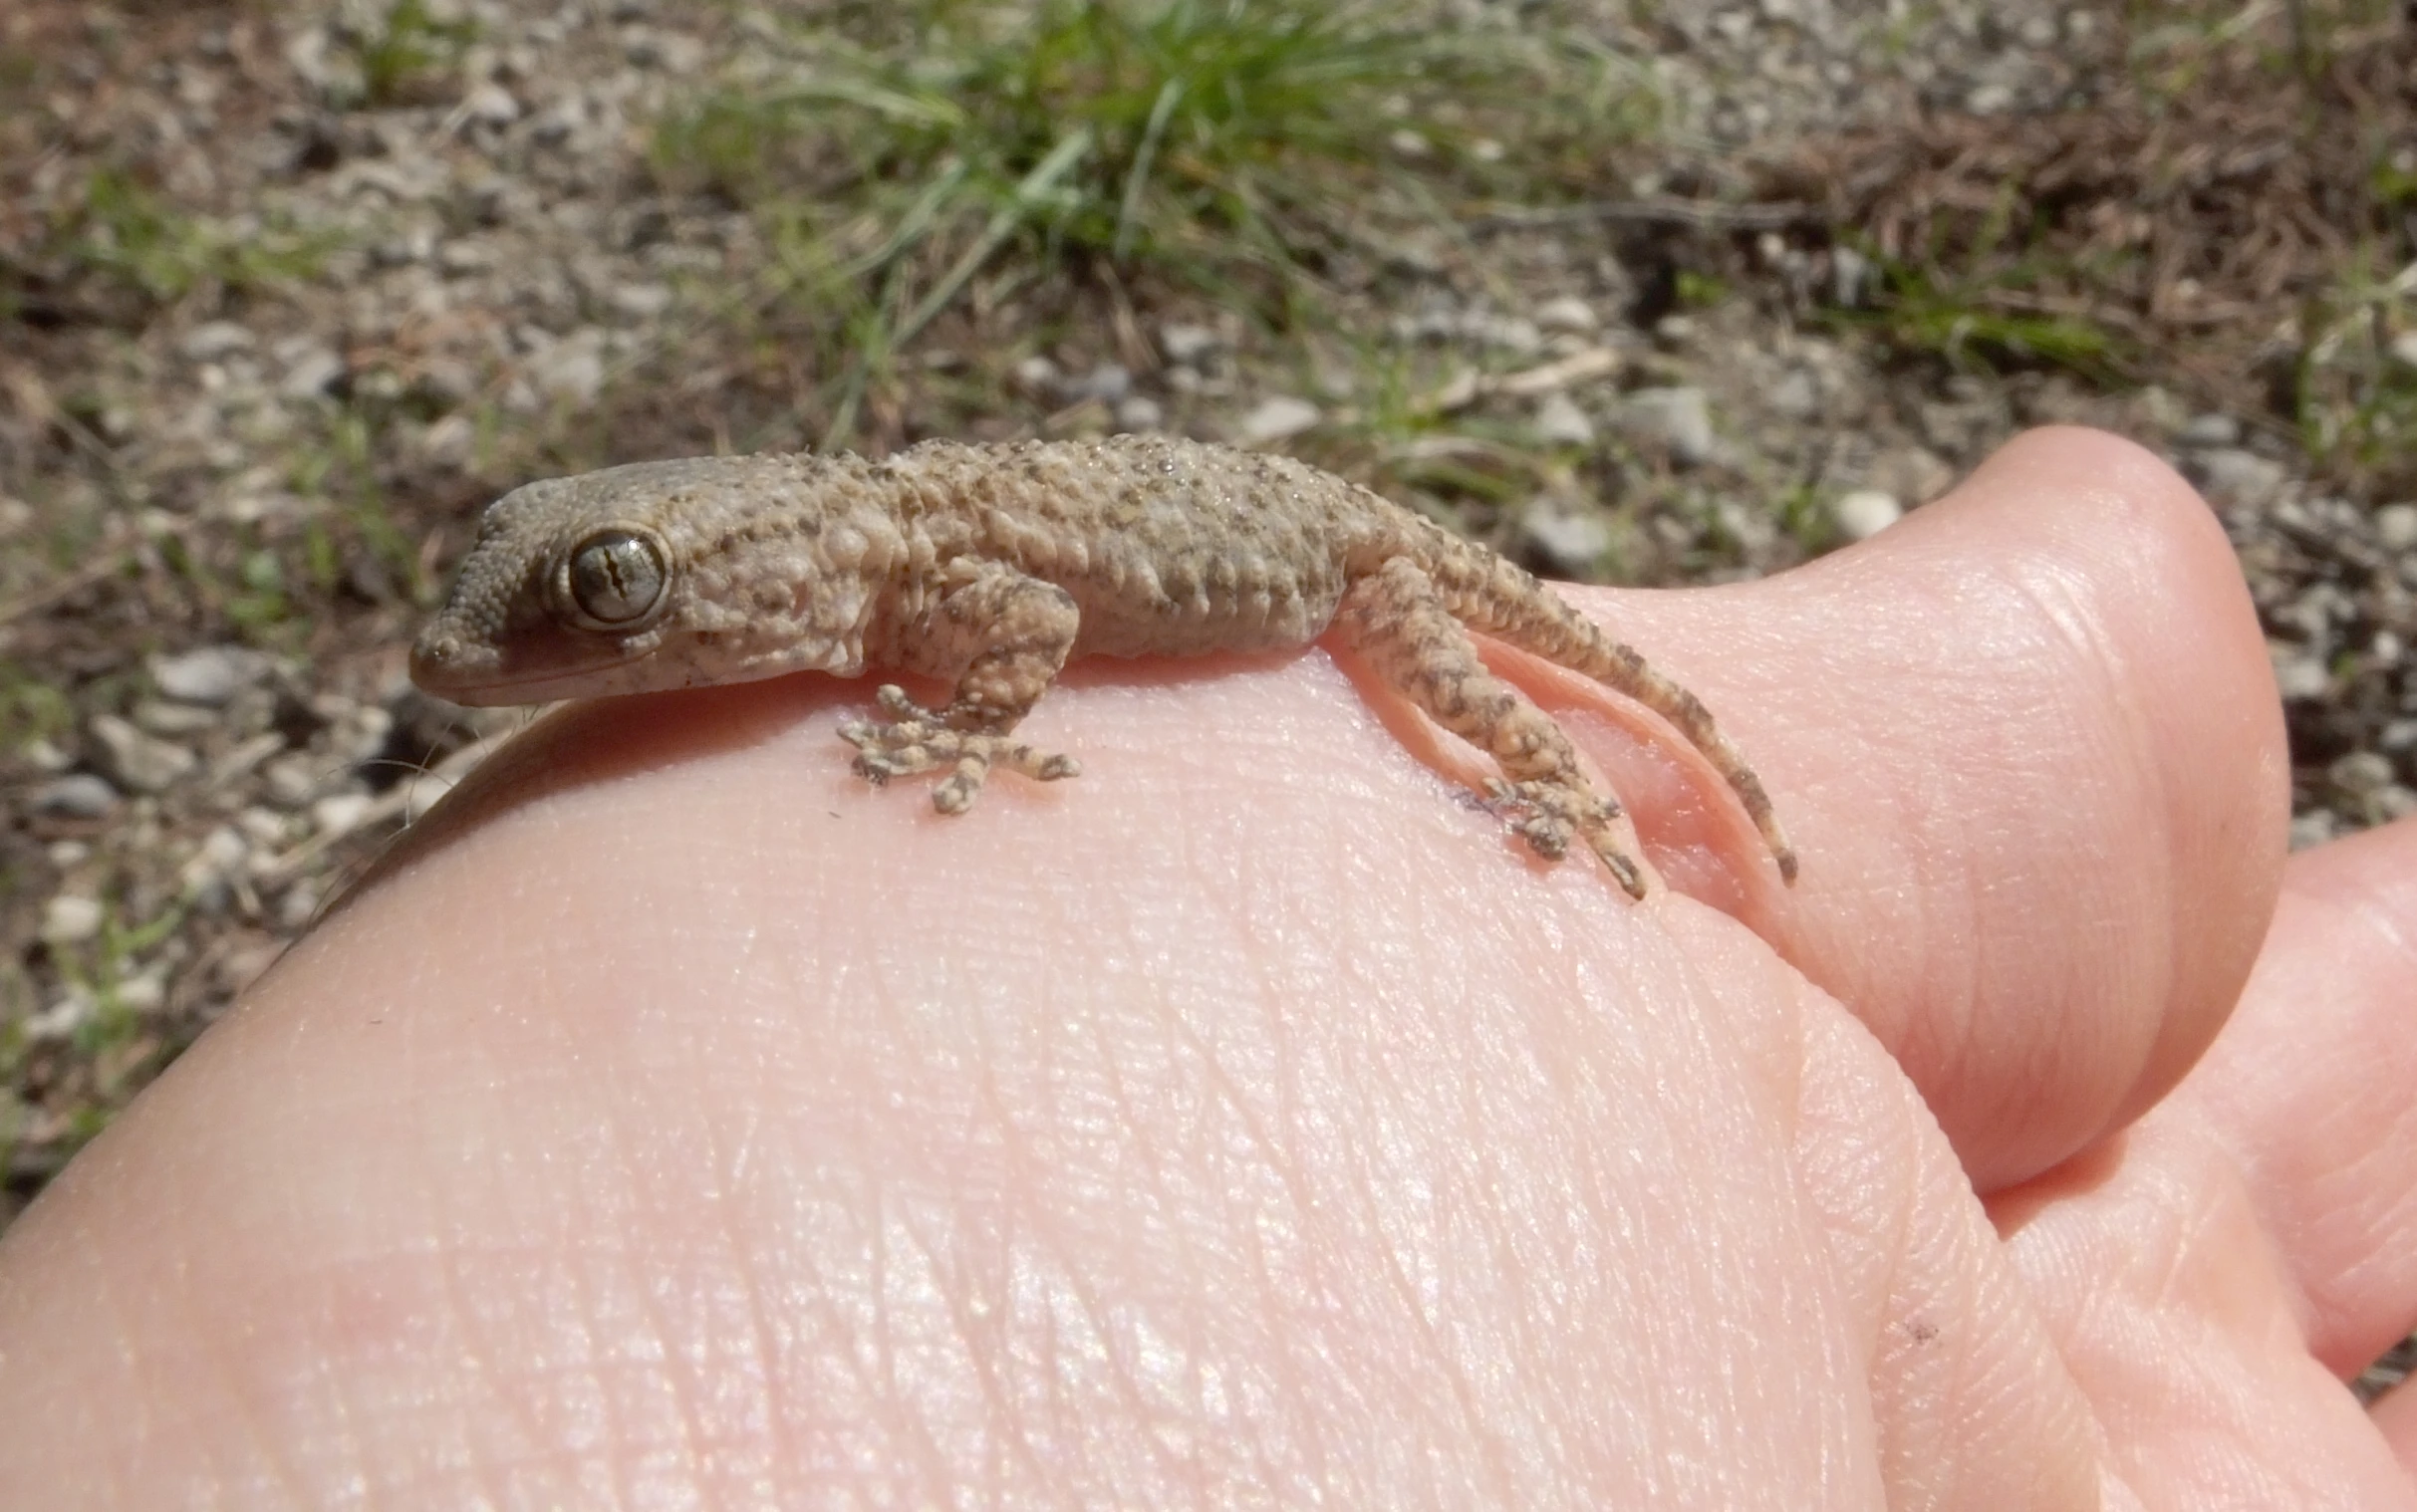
{"type": "Point", "coordinates": [2404, 347]}
{"type": "Point", "coordinates": [212, 340]}
{"type": "Point", "coordinates": [61, 1019]}
{"type": "Point", "coordinates": [489, 104]}
{"type": "Point", "coordinates": [642, 301]}
{"type": "Point", "coordinates": [2313, 829]}
{"type": "Point", "coordinates": [1560, 422]}
{"type": "Point", "coordinates": [78, 794]}
{"type": "Point", "coordinates": [1681, 418]}
{"type": "Point", "coordinates": [43, 756]}
{"type": "Point", "coordinates": [1187, 344]}
{"type": "Point", "coordinates": [2301, 679]}
{"type": "Point", "coordinates": [209, 675]}
{"type": "Point", "coordinates": [2235, 476]}
{"type": "Point", "coordinates": [1276, 418]}
{"type": "Point", "coordinates": [137, 762]}
{"type": "Point", "coordinates": [1796, 395]}
{"type": "Point", "coordinates": [2362, 773]}
{"type": "Point", "coordinates": [1865, 513]}
{"type": "Point", "coordinates": [70, 919]}
{"type": "Point", "coordinates": [1569, 541]}
{"type": "Point", "coordinates": [340, 813]}
{"type": "Point", "coordinates": [2397, 526]}
{"type": "Point", "coordinates": [1569, 313]}
{"type": "Point", "coordinates": [143, 992]}
{"type": "Point", "coordinates": [1037, 375]}
{"type": "Point", "coordinates": [312, 374]}
{"type": "Point", "coordinates": [571, 370]}
{"type": "Point", "coordinates": [162, 716]}
{"type": "Point", "coordinates": [1107, 383]}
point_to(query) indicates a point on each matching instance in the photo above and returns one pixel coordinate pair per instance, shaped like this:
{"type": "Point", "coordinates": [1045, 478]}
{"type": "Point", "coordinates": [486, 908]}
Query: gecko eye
{"type": "Point", "coordinates": [616, 579]}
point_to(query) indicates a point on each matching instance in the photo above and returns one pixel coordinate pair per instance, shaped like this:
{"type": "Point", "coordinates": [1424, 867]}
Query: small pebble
{"type": "Point", "coordinates": [2242, 477]}
{"type": "Point", "coordinates": [312, 374]}
{"type": "Point", "coordinates": [212, 340]}
{"type": "Point", "coordinates": [143, 992]}
{"type": "Point", "coordinates": [1140, 412]}
{"type": "Point", "coordinates": [490, 105]}
{"type": "Point", "coordinates": [159, 716]}
{"type": "Point", "coordinates": [2205, 430]}
{"type": "Point", "coordinates": [1865, 513]}
{"type": "Point", "coordinates": [1560, 422]}
{"type": "Point", "coordinates": [1680, 418]}
{"type": "Point", "coordinates": [642, 301]}
{"type": "Point", "coordinates": [1107, 383]}
{"type": "Point", "coordinates": [2396, 527]}
{"type": "Point", "coordinates": [78, 794]}
{"type": "Point", "coordinates": [136, 762]}
{"type": "Point", "coordinates": [1187, 344]}
{"type": "Point", "coordinates": [2362, 773]}
{"type": "Point", "coordinates": [208, 675]}
{"type": "Point", "coordinates": [1564, 542]}
{"type": "Point", "coordinates": [1278, 419]}
{"type": "Point", "coordinates": [2404, 349]}
{"type": "Point", "coordinates": [1036, 375]}
{"type": "Point", "coordinates": [61, 1019]}
{"type": "Point", "coordinates": [43, 756]}
{"type": "Point", "coordinates": [1569, 313]}
{"type": "Point", "coordinates": [71, 919]}
{"type": "Point", "coordinates": [339, 813]}
{"type": "Point", "coordinates": [2301, 679]}
{"type": "Point", "coordinates": [1794, 397]}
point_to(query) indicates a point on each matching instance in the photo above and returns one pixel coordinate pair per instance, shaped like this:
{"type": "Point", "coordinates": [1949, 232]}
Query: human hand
{"type": "Point", "coordinates": [673, 1121]}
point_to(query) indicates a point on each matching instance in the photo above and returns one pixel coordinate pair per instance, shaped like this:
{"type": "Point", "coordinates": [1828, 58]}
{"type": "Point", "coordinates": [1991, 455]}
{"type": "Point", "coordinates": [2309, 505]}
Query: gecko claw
{"type": "Point", "coordinates": [1548, 813]}
{"type": "Point", "coordinates": [918, 742]}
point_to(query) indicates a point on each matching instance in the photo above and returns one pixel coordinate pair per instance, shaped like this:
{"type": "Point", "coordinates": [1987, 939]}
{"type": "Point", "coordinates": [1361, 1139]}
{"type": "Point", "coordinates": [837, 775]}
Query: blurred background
{"type": "Point", "coordinates": [1635, 293]}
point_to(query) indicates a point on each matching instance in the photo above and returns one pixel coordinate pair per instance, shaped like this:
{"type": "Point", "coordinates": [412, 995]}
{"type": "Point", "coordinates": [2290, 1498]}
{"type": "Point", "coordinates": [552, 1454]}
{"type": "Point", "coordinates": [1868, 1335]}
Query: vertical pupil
{"type": "Point", "coordinates": [615, 577]}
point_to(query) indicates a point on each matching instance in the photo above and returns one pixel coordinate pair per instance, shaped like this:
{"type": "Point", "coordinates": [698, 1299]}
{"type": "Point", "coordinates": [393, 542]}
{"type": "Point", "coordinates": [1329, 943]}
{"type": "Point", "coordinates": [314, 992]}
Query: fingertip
{"type": "Point", "coordinates": [2028, 743]}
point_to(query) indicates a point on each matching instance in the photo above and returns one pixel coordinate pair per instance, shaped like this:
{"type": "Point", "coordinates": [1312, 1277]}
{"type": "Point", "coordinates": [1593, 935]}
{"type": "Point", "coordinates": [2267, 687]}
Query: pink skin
{"type": "Point", "coordinates": [673, 1122]}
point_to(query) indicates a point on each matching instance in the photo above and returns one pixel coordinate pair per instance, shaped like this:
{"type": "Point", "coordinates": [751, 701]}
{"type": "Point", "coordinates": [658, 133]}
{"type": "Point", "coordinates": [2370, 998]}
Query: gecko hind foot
{"type": "Point", "coordinates": [917, 740]}
{"type": "Point", "coordinates": [1548, 813]}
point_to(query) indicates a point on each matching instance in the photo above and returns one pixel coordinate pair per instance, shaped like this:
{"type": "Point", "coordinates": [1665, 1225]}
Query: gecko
{"type": "Point", "coordinates": [989, 567]}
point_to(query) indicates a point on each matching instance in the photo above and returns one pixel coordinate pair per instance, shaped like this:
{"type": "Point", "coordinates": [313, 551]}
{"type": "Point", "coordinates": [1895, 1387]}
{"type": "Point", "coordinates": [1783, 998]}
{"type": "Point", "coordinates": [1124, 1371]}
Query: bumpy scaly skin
{"type": "Point", "coordinates": [989, 567]}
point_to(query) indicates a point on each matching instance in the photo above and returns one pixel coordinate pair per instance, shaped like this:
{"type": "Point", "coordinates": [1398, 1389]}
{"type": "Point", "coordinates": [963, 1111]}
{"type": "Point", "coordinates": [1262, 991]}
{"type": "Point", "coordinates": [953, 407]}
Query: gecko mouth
{"type": "Point", "coordinates": [463, 671]}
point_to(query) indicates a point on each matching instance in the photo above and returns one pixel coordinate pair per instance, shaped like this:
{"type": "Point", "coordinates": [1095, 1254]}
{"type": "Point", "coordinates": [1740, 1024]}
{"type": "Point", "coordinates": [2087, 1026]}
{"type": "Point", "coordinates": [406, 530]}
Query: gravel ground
{"type": "Point", "coordinates": [287, 292]}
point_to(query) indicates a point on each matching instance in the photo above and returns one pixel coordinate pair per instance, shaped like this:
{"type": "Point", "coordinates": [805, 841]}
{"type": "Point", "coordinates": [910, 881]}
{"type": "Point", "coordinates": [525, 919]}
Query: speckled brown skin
{"type": "Point", "coordinates": [989, 567]}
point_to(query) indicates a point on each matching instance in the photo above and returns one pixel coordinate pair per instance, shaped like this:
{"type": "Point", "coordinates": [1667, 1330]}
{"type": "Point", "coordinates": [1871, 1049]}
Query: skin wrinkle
{"type": "Point", "coordinates": [1004, 1429]}
{"type": "Point", "coordinates": [664, 1353]}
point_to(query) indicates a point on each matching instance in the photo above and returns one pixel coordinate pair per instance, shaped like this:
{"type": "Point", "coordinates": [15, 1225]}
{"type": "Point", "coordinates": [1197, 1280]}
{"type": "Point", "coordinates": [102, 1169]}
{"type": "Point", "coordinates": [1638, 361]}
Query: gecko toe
{"type": "Point", "coordinates": [913, 745]}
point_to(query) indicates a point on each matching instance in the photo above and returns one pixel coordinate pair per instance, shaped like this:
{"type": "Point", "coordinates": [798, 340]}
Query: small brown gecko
{"type": "Point", "coordinates": [988, 566]}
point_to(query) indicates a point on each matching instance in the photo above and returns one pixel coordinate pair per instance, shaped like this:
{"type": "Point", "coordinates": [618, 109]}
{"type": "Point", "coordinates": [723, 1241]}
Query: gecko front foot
{"type": "Point", "coordinates": [916, 740]}
{"type": "Point", "coordinates": [1547, 814]}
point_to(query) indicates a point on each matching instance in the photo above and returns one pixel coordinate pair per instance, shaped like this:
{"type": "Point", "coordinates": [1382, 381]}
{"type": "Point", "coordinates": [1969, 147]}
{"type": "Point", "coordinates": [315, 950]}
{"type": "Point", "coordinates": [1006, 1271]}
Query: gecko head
{"type": "Point", "coordinates": [582, 588]}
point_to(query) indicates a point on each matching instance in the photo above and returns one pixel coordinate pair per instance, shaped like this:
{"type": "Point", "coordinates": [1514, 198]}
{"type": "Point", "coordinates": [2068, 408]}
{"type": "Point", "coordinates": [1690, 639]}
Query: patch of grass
{"type": "Point", "coordinates": [1699, 291]}
{"type": "Point", "coordinates": [31, 707]}
{"type": "Point", "coordinates": [1804, 514]}
{"type": "Point", "coordinates": [1987, 323]}
{"type": "Point", "coordinates": [2000, 299]}
{"type": "Point", "coordinates": [1235, 147]}
{"type": "Point", "coordinates": [128, 236]}
{"type": "Point", "coordinates": [2355, 398]}
{"type": "Point", "coordinates": [405, 51]}
{"type": "Point", "coordinates": [344, 470]}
